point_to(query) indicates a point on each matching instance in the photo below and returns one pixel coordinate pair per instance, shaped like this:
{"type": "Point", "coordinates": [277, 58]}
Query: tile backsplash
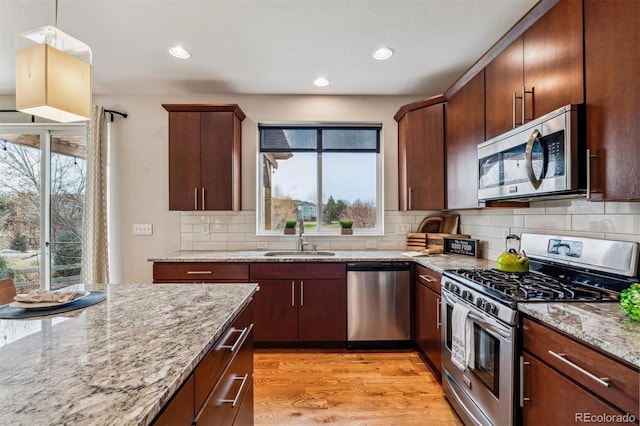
{"type": "Point", "coordinates": [228, 231]}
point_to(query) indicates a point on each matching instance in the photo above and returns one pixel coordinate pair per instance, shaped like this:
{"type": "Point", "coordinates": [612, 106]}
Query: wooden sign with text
{"type": "Point", "coordinates": [464, 246]}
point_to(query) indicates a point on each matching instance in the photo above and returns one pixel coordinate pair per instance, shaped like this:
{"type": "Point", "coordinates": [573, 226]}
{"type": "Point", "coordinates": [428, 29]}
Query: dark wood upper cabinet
{"type": "Point", "coordinates": [204, 157]}
{"type": "Point", "coordinates": [464, 131]}
{"type": "Point", "coordinates": [503, 77]}
{"type": "Point", "coordinates": [421, 155]}
{"type": "Point", "coordinates": [544, 68]}
{"type": "Point", "coordinates": [612, 63]}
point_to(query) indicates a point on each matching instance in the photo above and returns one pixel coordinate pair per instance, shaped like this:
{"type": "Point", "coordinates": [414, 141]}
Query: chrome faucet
{"type": "Point", "coordinates": [301, 241]}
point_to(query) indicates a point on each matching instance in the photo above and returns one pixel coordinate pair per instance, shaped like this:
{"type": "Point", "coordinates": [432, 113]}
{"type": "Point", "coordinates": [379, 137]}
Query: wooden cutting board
{"type": "Point", "coordinates": [449, 224]}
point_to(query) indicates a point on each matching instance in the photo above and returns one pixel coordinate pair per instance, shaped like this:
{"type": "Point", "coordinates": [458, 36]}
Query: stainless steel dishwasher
{"type": "Point", "coordinates": [378, 305]}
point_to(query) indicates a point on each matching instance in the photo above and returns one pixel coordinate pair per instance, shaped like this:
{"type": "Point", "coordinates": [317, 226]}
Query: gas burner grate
{"type": "Point", "coordinates": [532, 286]}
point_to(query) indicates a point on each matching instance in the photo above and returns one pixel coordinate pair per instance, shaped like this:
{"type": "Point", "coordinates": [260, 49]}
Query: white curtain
{"type": "Point", "coordinates": [95, 243]}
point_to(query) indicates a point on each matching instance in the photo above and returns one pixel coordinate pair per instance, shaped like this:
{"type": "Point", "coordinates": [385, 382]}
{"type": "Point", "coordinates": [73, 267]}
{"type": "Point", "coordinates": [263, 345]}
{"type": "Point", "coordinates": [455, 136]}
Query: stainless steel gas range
{"type": "Point", "coordinates": [480, 315]}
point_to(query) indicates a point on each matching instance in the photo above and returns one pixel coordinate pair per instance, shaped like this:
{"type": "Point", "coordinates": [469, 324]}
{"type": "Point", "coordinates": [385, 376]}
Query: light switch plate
{"type": "Point", "coordinates": [142, 229]}
{"type": "Point", "coordinates": [262, 245]}
{"type": "Point", "coordinates": [371, 244]}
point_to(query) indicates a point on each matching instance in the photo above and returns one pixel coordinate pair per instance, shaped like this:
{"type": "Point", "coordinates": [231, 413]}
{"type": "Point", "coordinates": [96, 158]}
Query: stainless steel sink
{"type": "Point", "coordinates": [299, 253]}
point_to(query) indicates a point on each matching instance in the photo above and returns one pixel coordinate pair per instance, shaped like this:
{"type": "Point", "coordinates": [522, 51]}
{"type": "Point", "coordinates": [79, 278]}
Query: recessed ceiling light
{"type": "Point", "coordinates": [179, 52]}
{"type": "Point", "coordinates": [383, 53]}
{"type": "Point", "coordinates": [321, 82]}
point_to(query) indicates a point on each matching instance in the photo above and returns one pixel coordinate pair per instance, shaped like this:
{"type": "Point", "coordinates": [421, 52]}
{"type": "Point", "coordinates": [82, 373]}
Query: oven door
{"type": "Point", "coordinates": [483, 393]}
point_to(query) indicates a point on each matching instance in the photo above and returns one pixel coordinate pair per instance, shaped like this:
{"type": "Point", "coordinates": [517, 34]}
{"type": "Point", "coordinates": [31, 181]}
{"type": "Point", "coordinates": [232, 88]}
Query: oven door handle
{"type": "Point", "coordinates": [500, 332]}
{"type": "Point", "coordinates": [478, 319]}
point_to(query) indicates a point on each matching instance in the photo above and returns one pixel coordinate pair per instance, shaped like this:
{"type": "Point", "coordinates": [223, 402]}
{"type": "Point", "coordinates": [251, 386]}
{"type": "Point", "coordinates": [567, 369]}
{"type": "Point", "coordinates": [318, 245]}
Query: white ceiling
{"type": "Point", "coordinates": [268, 46]}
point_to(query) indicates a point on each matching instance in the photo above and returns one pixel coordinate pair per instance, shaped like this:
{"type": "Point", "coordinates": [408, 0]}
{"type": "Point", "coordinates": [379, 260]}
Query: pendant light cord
{"type": "Point", "coordinates": [56, 16]}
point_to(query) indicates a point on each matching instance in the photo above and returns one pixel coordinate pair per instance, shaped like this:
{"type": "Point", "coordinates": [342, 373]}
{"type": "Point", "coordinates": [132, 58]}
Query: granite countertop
{"type": "Point", "coordinates": [437, 262]}
{"type": "Point", "coordinates": [602, 325]}
{"type": "Point", "coordinates": [114, 363]}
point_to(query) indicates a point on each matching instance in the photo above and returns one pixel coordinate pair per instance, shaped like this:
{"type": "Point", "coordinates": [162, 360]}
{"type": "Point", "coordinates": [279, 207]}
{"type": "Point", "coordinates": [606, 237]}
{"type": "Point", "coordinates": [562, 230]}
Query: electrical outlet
{"type": "Point", "coordinates": [262, 245]}
{"type": "Point", "coordinates": [403, 228]}
{"type": "Point", "coordinates": [205, 228]}
{"type": "Point", "coordinates": [371, 244]}
{"type": "Point", "coordinates": [142, 229]}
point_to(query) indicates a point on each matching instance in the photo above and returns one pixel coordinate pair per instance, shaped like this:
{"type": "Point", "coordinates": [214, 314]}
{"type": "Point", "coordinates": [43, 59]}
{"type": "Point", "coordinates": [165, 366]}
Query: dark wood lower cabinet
{"type": "Point", "coordinates": [300, 303]}
{"type": "Point", "coordinates": [568, 382]}
{"type": "Point", "coordinates": [552, 399]}
{"type": "Point", "coordinates": [427, 311]}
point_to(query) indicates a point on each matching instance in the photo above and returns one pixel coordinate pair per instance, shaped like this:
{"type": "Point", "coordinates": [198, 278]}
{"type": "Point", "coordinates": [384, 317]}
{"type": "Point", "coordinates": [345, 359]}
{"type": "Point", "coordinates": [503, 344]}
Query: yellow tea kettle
{"type": "Point", "coordinates": [511, 260]}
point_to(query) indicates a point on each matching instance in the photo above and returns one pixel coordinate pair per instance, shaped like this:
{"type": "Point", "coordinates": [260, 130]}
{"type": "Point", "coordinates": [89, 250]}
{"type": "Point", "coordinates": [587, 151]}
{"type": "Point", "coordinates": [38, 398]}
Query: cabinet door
{"type": "Point", "coordinates": [553, 59]}
{"type": "Point", "coordinates": [552, 399]}
{"type": "Point", "coordinates": [421, 159]}
{"type": "Point", "coordinates": [465, 130]}
{"type": "Point", "coordinates": [275, 311]}
{"type": "Point", "coordinates": [322, 310]}
{"type": "Point", "coordinates": [184, 160]}
{"type": "Point", "coordinates": [219, 161]}
{"type": "Point", "coordinates": [504, 77]}
{"type": "Point", "coordinates": [613, 94]}
{"type": "Point", "coordinates": [428, 324]}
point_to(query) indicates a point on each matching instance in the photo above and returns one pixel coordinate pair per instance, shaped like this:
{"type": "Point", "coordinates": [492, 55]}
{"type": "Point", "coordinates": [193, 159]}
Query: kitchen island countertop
{"type": "Point", "coordinates": [603, 325]}
{"type": "Point", "coordinates": [114, 363]}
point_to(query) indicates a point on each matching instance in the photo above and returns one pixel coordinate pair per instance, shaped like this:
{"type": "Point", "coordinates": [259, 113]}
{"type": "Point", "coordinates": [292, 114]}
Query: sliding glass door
{"type": "Point", "coordinates": [42, 183]}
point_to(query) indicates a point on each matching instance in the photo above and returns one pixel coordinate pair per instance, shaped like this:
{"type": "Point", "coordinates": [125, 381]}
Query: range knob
{"type": "Point", "coordinates": [490, 308]}
{"type": "Point", "coordinates": [480, 302]}
{"type": "Point", "coordinates": [467, 295]}
{"type": "Point", "coordinates": [455, 289]}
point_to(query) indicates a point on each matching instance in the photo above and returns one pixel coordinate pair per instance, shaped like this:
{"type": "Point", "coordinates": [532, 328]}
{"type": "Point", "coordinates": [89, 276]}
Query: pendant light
{"type": "Point", "coordinates": [53, 75]}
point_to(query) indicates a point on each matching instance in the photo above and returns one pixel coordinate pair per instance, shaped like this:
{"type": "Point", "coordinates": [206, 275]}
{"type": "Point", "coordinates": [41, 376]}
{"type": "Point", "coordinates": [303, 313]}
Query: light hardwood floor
{"type": "Point", "coordinates": [304, 387]}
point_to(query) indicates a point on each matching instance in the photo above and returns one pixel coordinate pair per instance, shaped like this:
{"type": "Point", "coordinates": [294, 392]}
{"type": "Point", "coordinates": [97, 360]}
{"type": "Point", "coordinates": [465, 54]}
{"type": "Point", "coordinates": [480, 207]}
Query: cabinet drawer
{"type": "Point", "coordinates": [226, 399]}
{"type": "Point", "coordinates": [210, 369]}
{"type": "Point", "coordinates": [200, 271]}
{"type": "Point", "coordinates": [428, 277]}
{"type": "Point", "coordinates": [298, 271]}
{"type": "Point", "coordinates": [578, 361]}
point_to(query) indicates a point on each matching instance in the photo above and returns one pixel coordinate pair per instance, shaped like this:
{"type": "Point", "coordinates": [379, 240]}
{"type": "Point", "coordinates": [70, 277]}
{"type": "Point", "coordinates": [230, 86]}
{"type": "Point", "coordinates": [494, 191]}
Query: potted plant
{"type": "Point", "coordinates": [290, 227]}
{"type": "Point", "coordinates": [345, 226]}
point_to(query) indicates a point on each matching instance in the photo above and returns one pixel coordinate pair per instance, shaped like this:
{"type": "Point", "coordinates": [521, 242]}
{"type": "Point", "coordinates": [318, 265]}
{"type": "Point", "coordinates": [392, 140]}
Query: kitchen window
{"type": "Point", "coordinates": [322, 174]}
{"type": "Point", "coordinates": [42, 185]}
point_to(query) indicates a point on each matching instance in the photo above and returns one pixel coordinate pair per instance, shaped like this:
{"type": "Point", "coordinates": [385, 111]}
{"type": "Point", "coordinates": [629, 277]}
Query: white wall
{"type": "Point", "coordinates": [140, 166]}
{"type": "Point", "coordinates": [141, 186]}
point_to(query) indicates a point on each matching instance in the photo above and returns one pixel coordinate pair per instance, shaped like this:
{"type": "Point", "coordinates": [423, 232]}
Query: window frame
{"type": "Point", "coordinates": [378, 230]}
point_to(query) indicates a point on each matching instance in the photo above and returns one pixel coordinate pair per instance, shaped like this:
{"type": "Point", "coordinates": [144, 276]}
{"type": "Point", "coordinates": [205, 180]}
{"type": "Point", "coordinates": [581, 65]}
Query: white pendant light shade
{"type": "Point", "coordinates": [53, 75]}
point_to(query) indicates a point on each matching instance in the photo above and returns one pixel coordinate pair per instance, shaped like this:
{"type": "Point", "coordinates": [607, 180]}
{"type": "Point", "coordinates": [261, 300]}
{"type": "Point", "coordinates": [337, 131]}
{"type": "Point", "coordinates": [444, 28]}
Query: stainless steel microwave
{"type": "Point", "coordinates": [543, 158]}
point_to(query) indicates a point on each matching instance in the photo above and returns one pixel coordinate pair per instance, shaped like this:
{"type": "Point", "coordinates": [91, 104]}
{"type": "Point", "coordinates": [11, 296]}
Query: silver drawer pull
{"type": "Point", "coordinates": [427, 278]}
{"type": "Point", "coordinates": [234, 401]}
{"type": "Point", "coordinates": [604, 381]}
{"type": "Point", "coordinates": [199, 272]}
{"type": "Point", "coordinates": [243, 336]}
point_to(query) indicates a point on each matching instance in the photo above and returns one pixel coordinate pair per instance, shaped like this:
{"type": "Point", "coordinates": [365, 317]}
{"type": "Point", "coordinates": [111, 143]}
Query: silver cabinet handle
{"type": "Point", "coordinates": [203, 208]}
{"type": "Point", "coordinates": [524, 90]}
{"type": "Point", "coordinates": [199, 272]}
{"type": "Point", "coordinates": [604, 381]}
{"type": "Point", "coordinates": [301, 293]}
{"type": "Point", "coordinates": [522, 398]}
{"type": "Point", "coordinates": [513, 110]}
{"type": "Point", "coordinates": [239, 341]}
{"type": "Point", "coordinates": [293, 296]}
{"type": "Point", "coordinates": [427, 278]}
{"type": "Point", "coordinates": [234, 401]}
{"type": "Point", "coordinates": [195, 198]}
{"type": "Point", "coordinates": [438, 305]}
